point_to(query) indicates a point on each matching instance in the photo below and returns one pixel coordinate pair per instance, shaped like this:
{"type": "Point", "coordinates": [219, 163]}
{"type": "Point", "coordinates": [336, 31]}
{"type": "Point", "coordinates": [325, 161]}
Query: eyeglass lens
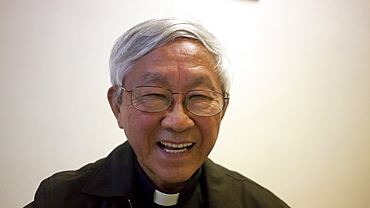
{"type": "Point", "coordinates": [157, 99]}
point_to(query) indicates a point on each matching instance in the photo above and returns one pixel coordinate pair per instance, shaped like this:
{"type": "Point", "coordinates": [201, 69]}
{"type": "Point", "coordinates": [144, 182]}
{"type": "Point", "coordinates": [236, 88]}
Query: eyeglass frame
{"type": "Point", "coordinates": [225, 98]}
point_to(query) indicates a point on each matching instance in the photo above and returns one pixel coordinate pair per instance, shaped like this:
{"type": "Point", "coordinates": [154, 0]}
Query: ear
{"type": "Point", "coordinates": [224, 111]}
{"type": "Point", "coordinates": [114, 105]}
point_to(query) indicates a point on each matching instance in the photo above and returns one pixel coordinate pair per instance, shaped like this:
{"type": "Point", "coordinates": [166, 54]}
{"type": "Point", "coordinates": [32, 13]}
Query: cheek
{"type": "Point", "coordinates": [130, 117]}
{"type": "Point", "coordinates": [135, 134]}
{"type": "Point", "coordinates": [133, 123]}
{"type": "Point", "coordinates": [138, 126]}
{"type": "Point", "coordinates": [209, 129]}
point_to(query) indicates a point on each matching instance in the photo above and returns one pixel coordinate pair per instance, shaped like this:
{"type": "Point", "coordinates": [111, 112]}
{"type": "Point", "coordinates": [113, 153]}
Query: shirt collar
{"type": "Point", "coordinates": [148, 188]}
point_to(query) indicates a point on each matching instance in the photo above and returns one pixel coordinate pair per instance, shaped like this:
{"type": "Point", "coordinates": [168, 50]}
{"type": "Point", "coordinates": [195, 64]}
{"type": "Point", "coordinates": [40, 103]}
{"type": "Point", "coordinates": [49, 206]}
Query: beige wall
{"type": "Point", "coordinates": [299, 118]}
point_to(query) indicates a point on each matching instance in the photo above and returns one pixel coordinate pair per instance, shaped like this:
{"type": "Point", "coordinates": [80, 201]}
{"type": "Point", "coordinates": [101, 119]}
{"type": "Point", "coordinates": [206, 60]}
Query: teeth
{"type": "Point", "coordinates": [175, 151]}
{"type": "Point", "coordinates": [178, 146]}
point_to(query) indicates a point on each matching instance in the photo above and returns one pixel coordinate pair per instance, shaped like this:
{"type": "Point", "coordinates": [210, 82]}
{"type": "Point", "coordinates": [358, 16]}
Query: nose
{"type": "Point", "coordinates": [176, 118]}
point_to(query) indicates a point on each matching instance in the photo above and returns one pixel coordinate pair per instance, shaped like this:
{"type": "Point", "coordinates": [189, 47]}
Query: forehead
{"type": "Point", "coordinates": [183, 61]}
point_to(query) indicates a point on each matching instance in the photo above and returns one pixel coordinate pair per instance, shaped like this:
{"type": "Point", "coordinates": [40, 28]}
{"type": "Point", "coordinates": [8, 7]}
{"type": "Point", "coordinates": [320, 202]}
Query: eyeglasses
{"type": "Point", "coordinates": [154, 99]}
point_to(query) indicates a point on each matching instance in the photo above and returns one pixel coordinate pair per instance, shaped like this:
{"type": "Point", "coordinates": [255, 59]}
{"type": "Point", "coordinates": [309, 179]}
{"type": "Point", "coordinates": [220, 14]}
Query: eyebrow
{"type": "Point", "coordinates": [153, 78]}
{"type": "Point", "coordinates": [203, 81]}
{"type": "Point", "coordinates": [156, 78]}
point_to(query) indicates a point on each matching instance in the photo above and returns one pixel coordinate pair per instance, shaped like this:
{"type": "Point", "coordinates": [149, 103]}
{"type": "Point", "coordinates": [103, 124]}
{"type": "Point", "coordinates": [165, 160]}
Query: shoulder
{"type": "Point", "coordinates": [244, 191]}
{"type": "Point", "coordinates": [56, 189]}
{"type": "Point", "coordinates": [74, 177]}
{"type": "Point", "coordinates": [65, 189]}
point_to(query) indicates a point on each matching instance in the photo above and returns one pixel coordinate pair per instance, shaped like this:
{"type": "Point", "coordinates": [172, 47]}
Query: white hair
{"type": "Point", "coordinates": [152, 34]}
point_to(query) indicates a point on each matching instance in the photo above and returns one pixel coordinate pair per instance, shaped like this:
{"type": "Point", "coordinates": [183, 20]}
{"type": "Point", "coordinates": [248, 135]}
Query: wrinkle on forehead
{"type": "Point", "coordinates": [184, 64]}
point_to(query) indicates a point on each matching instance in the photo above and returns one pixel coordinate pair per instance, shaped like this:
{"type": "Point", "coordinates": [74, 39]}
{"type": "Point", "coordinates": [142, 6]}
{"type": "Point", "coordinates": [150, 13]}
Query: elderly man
{"type": "Point", "coordinates": [170, 92]}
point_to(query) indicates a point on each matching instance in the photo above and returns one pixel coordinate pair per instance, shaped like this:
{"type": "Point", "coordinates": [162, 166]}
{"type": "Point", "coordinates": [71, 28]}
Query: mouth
{"type": "Point", "coordinates": [175, 148]}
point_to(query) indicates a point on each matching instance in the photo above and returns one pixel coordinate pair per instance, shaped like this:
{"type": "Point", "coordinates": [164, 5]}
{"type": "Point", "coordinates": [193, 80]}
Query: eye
{"type": "Point", "coordinates": [154, 96]}
{"type": "Point", "coordinates": [200, 97]}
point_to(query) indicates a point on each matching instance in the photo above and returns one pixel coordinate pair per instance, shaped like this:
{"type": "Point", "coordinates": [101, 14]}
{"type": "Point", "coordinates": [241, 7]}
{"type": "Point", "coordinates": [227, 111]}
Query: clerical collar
{"type": "Point", "coordinates": [165, 199]}
{"type": "Point", "coordinates": [150, 193]}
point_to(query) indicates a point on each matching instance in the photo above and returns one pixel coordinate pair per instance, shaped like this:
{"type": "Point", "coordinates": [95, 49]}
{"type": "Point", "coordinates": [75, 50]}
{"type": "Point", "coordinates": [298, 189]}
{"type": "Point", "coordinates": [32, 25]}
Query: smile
{"type": "Point", "coordinates": [175, 148]}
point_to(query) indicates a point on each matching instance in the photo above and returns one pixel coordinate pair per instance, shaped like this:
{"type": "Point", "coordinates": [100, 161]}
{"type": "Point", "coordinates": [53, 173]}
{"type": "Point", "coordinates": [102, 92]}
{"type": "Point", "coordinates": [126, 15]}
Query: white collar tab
{"type": "Point", "coordinates": [165, 199]}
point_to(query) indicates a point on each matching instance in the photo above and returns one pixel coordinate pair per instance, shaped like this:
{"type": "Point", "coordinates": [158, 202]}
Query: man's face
{"type": "Point", "coordinates": [180, 66]}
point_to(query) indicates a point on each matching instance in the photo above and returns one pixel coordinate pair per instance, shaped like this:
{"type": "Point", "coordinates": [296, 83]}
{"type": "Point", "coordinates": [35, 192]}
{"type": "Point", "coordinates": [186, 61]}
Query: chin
{"type": "Point", "coordinates": [177, 176]}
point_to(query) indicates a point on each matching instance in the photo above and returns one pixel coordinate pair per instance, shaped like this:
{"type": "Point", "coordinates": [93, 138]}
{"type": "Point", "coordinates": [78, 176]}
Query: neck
{"type": "Point", "coordinates": [165, 186]}
{"type": "Point", "coordinates": [170, 188]}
